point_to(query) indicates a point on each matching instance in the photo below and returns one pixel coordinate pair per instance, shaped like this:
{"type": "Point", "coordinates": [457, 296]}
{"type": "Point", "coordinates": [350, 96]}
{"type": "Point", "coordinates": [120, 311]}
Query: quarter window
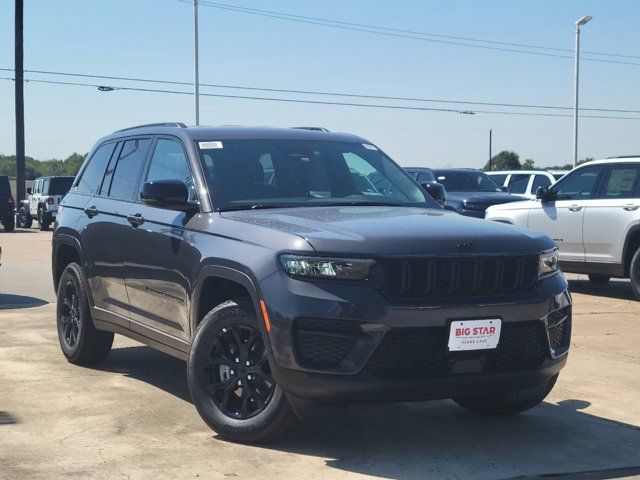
{"type": "Point", "coordinates": [91, 177]}
{"type": "Point", "coordinates": [499, 179]}
{"type": "Point", "coordinates": [577, 185]}
{"type": "Point", "coordinates": [128, 169]}
{"type": "Point", "coordinates": [169, 162]}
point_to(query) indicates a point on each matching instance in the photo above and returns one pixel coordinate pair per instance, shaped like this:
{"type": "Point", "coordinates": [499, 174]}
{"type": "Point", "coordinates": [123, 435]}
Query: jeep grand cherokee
{"type": "Point", "coordinates": [297, 270]}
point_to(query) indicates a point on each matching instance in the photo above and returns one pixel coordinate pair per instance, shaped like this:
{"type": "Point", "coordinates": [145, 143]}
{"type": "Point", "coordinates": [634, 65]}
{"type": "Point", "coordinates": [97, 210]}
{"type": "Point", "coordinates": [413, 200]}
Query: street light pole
{"type": "Point", "coordinates": [579, 23]}
{"type": "Point", "coordinates": [490, 148]}
{"type": "Point", "coordinates": [196, 80]}
{"type": "Point", "coordinates": [19, 100]}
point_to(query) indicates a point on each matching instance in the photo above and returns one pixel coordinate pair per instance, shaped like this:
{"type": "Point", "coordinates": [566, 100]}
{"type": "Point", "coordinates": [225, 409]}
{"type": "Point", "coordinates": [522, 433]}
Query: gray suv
{"type": "Point", "coordinates": [298, 271]}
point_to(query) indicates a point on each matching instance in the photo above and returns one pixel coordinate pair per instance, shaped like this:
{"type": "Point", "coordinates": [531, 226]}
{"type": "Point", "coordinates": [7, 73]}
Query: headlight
{"type": "Point", "coordinates": [548, 264]}
{"type": "Point", "coordinates": [330, 268]}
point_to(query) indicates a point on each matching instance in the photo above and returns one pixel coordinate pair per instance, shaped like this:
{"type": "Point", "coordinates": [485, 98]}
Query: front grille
{"type": "Point", "coordinates": [558, 326]}
{"type": "Point", "coordinates": [417, 353]}
{"type": "Point", "coordinates": [457, 276]}
{"type": "Point", "coordinates": [322, 344]}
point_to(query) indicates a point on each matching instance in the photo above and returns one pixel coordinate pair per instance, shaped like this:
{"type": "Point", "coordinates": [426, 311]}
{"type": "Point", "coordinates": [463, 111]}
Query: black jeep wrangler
{"type": "Point", "coordinates": [7, 206]}
{"type": "Point", "coordinates": [298, 271]}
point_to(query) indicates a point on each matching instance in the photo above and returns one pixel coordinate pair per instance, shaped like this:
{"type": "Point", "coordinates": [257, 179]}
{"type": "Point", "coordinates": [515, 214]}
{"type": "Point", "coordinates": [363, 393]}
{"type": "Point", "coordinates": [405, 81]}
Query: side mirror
{"type": "Point", "coordinates": [504, 188]}
{"type": "Point", "coordinates": [29, 191]}
{"type": "Point", "coordinates": [436, 190]}
{"type": "Point", "coordinates": [542, 193]}
{"type": "Point", "coordinates": [169, 194]}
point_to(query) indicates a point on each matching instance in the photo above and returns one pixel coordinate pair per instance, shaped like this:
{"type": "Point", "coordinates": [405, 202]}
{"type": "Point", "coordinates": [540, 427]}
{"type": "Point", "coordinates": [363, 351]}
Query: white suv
{"type": "Point", "coordinates": [42, 202]}
{"type": "Point", "coordinates": [593, 214]}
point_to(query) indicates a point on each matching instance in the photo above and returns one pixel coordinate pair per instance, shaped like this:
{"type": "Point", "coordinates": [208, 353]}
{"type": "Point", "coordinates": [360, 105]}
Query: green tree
{"type": "Point", "coordinates": [528, 164]}
{"type": "Point", "coordinates": [505, 160]}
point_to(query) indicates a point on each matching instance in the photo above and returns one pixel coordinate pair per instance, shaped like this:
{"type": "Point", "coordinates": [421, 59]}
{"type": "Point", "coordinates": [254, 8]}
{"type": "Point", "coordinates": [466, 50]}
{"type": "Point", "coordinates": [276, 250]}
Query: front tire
{"type": "Point", "coordinates": [507, 403]}
{"type": "Point", "coordinates": [598, 279]}
{"type": "Point", "coordinates": [230, 378]}
{"type": "Point", "coordinates": [80, 341]}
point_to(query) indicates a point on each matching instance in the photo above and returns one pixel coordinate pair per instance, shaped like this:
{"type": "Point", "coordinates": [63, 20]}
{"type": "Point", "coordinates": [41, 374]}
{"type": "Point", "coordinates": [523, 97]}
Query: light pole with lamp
{"type": "Point", "coordinates": [583, 21]}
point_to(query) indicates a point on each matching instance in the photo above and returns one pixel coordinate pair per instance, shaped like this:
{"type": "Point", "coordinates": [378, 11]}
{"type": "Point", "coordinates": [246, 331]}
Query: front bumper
{"type": "Point", "coordinates": [362, 322]}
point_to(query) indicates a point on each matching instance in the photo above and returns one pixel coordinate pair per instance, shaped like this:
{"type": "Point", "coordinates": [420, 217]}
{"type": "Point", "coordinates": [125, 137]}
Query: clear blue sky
{"type": "Point", "coordinates": [153, 39]}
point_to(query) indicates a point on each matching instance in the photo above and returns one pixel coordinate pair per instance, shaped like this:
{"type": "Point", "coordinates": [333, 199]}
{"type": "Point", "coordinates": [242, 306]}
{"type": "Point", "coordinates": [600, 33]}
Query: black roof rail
{"type": "Point", "coordinates": [316, 129]}
{"type": "Point", "coordinates": [163, 124]}
{"type": "Point", "coordinates": [623, 156]}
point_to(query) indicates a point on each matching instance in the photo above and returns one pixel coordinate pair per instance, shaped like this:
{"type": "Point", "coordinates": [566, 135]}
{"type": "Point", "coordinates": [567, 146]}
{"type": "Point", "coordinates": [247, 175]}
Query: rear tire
{"type": "Point", "coordinates": [9, 223]}
{"type": "Point", "coordinates": [598, 279]}
{"type": "Point", "coordinates": [80, 341]}
{"type": "Point", "coordinates": [507, 403]}
{"type": "Point", "coordinates": [230, 378]}
{"type": "Point", "coordinates": [634, 273]}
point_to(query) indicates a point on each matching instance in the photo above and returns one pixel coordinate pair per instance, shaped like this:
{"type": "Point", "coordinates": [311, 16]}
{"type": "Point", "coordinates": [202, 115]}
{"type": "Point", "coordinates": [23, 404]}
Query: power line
{"type": "Point", "coordinates": [397, 33]}
{"type": "Point", "coordinates": [324, 93]}
{"type": "Point", "coordinates": [318, 102]}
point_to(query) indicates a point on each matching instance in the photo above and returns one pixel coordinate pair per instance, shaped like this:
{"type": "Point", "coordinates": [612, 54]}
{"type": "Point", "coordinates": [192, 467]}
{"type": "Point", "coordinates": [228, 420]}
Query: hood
{"type": "Point", "coordinates": [483, 198]}
{"type": "Point", "coordinates": [395, 231]}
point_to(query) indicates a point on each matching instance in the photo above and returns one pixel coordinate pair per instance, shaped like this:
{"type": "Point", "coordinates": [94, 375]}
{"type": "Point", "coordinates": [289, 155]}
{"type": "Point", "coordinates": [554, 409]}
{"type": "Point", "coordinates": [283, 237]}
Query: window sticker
{"type": "Point", "coordinates": [209, 145]}
{"type": "Point", "coordinates": [368, 146]}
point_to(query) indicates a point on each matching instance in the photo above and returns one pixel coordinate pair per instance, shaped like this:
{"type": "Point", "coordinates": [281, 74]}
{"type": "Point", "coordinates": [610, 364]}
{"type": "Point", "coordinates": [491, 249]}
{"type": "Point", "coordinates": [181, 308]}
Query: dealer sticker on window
{"type": "Point", "coordinates": [209, 145]}
{"type": "Point", "coordinates": [474, 334]}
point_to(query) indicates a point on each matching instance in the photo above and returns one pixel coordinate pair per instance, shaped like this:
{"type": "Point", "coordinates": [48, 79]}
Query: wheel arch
{"type": "Point", "coordinates": [66, 249]}
{"type": "Point", "coordinates": [631, 244]}
{"type": "Point", "coordinates": [216, 284]}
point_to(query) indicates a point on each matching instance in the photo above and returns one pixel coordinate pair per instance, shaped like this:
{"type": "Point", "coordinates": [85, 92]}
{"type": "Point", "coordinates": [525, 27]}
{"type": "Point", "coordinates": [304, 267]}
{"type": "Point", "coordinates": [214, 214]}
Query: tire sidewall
{"type": "Point", "coordinates": [71, 274]}
{"type": "Point", "coordinates": [635, 277]}
{"type": "Point", "coordinates": [227, 314]}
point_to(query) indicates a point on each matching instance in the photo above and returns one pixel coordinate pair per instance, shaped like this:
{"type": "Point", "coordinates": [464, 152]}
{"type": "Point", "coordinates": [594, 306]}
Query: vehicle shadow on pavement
{"type": "Point", "coordinates": [615, 289]}
{"type": "Point", "coordinates": [9, 300]}
{"type": "Point", "coordinates": [150, 366]}
{"type": "Point", "coordinates": [434, 439]}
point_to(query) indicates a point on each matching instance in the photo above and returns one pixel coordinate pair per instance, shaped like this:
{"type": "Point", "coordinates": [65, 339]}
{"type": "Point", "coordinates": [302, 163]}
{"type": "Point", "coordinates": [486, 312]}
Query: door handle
{"type": "Point", "coordinates": [135, 220]}
{"type": "Point", "coordinates": [91, 211]}
{"type": "Point", "coordinates": [630, 207]}
{"type": "Point", "coordinates": [575, 208]}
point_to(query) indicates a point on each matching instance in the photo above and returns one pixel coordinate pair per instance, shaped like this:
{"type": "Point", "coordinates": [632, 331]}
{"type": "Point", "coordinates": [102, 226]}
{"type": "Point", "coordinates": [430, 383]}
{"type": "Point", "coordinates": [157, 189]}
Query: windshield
{"type": "Point", "coordinates": [466, 181]}
{"type": "Point", "coordinates": [60, 185]}
{"type": "Point", "coordinates": [244, 174]}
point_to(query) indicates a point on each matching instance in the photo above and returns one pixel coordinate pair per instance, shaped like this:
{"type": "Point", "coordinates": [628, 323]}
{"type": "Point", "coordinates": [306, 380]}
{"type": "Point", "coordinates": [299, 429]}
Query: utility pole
{"type": "Point", "coordinates": [19, 92]}
{"type": "Point", "coordinates": [579, 23]}
{"type": "Point", "coordinates": [490, 146]}
{"type": "Point", "coordinates": [196, 79]}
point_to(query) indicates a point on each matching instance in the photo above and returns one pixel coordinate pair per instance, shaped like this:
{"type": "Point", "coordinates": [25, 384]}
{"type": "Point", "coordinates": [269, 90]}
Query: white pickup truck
{"type": "Point", "coordinates": [42, 202]}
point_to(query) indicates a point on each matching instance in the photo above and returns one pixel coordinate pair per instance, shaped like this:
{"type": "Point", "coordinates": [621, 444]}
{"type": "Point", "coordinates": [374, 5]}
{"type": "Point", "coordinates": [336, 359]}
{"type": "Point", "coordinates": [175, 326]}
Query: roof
{"type": "Point", "coordinates": [417, 169]}
{"type": "Point", "coordinates": [518, 172]}
{"type": "Point", "coordinates": [611, 160]}
{"type": "Point", "coordinates": [234, 132]}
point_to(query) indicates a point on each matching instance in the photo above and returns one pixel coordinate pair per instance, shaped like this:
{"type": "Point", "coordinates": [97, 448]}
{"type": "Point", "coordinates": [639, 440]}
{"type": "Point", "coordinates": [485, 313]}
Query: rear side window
{"type": "Point", "coordinates": [91, 177]}
{"type": "Point", "coordinates": [45, 186]}
{"type": "Point", "coordinates": [540, 181]}
{"type": "Point", "coordinates": [518, 184]}
{"type": "Point", "coordinates": [128, 169]}
{"type": "Point", "coordinates": [621, 181]}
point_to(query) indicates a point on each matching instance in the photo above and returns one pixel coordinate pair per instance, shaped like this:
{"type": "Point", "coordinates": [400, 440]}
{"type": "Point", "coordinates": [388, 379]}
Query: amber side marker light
{"type": "Point", "coordinates": [265, 315]}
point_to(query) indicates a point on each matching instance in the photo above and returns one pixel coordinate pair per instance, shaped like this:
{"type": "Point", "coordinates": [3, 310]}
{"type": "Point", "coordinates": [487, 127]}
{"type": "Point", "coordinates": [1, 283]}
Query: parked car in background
{"type": "Point", "coordinates": [42, 201]}
{"type": "Point", "coordinates": [7, 206]}
{"type": "Point", "coordinates": [524, 183]}
{"type": "Point", "coordinates": [424, 176]}
{"type": "Point", "coordinates": [292, 286]}
{"type": "Point", "coordinates": [470, 191]}
{"type": "Point", "coordinates": [593, 214]}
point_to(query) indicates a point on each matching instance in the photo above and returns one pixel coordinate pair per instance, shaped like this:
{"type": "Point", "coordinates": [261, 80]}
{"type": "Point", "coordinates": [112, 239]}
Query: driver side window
{"type": "Point", "coordinates": [169, 162]}
{"type": "Point", "coordinates": [577, 185]}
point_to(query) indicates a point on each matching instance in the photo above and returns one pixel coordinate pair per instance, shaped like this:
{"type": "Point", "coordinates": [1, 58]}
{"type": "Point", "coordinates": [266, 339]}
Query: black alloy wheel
{"type": "Point", "coordinates": [239, 378]}
{"type": "Point", "coordinates": [69, 319]}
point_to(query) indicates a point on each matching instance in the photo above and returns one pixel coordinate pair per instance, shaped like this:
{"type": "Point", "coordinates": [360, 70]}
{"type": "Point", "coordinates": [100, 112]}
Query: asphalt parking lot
{"type": "Point", "coordinates": [131, 417]}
